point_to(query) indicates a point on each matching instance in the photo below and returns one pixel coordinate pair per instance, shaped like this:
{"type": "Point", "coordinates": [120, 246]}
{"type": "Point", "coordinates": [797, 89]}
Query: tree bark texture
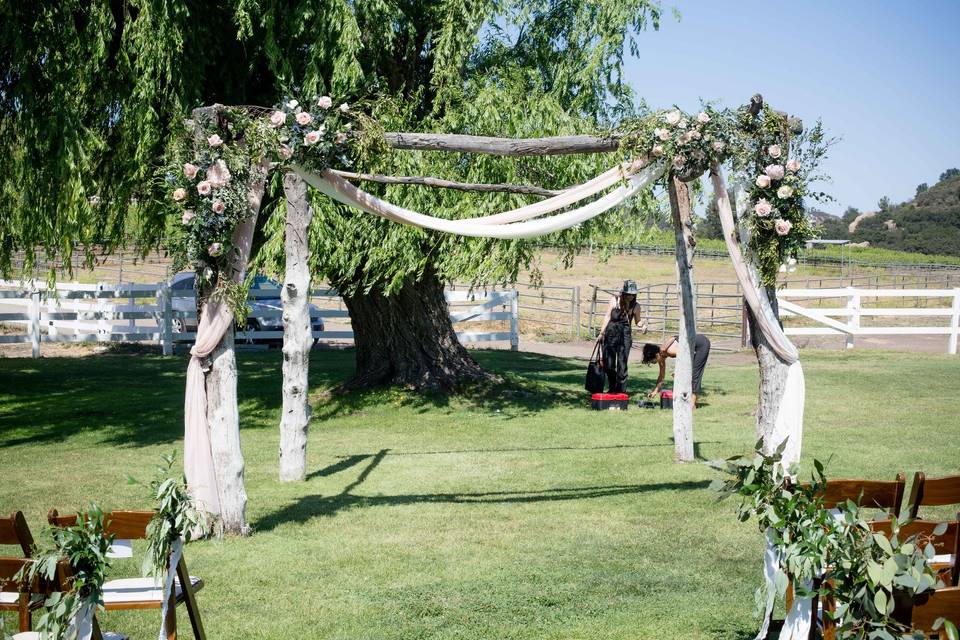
{"type": "Point", "coordinates": [558, 145]}
{"type": "Point", "coordinates": [297, 332]}
{"type": "Point", "coordinates": [407, 339]}
{"type": "Point", "coordinates": [682, 214]}
{"type": "Point", "coordinates": [773, 378]}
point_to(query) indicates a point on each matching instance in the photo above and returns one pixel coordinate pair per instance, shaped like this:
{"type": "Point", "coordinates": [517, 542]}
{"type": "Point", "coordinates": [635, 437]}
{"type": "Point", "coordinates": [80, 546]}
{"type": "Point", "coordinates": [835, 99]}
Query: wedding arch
{"type": "Point", "coordinates": [217, 177]}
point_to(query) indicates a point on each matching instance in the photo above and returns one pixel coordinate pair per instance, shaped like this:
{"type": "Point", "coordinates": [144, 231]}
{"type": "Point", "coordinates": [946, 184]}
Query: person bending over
{"type": "Point", "coordinates": [669, 349]}
{"type": "Point", "coordinates": [615, 335]}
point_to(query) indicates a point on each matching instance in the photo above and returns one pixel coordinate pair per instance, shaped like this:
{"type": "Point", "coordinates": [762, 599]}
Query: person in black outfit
{"type": "Point", "coordinates": [659, 354]}
{"type": "Point", "coordinates": [615, 335]}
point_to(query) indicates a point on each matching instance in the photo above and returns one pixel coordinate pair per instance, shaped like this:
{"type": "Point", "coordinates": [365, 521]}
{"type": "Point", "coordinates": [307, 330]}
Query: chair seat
{"type": "Point", "coordinates": [9, 597]}
{"type": "Point", "coordinates": [34, 635]}
{"type": "Point", "coordinates": [127, 593]}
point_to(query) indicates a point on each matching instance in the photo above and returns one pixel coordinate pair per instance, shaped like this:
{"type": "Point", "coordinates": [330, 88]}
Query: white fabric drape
{"type": "Point", "coordinates": [342, 191]}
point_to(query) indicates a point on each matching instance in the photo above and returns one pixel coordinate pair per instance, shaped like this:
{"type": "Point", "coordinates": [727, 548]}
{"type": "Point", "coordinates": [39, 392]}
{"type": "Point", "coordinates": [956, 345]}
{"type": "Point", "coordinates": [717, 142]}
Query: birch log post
{"type": "Point", "coordinates": [682, 214]}
{"type": "Point", "coordinates": [297, 332]}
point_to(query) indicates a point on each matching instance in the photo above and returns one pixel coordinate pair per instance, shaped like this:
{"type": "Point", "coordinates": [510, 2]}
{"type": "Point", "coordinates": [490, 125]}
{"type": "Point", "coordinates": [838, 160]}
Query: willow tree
{"type": "Point", "coordinates": [91, 91]}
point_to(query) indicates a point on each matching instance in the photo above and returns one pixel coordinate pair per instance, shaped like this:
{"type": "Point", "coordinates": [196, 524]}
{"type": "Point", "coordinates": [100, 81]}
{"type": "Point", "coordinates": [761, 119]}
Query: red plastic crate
{"type": "Point", "coordinates": [611, 401]}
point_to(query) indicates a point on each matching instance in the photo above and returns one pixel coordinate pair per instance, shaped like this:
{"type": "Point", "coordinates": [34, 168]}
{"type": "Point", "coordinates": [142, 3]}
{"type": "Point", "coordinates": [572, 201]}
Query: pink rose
{"type": "Point", "coordinates": [188, 215]}
{"type": "Point", "coordinates": [784, 192]}
{"type": "Point", "coordinates": [204, 188]}
{"type": "Point", "coordinates": [215, 249]}
{"type": "Point", "coordinates": [218, 206]}
{"type": "Point", "coordinates": [278, 118]}
{"type": "Point", "coordinates": [763, 181]}
{"type": "Point", "coordinates": [684, 138]}
{"type": "Point", "coordinates": [304, 118]}
{"type": "Point", "coordinates": [190, 171]}
{"type": "Point", "coordinates": [774, 171]}
{"type": "Point", "coordinates": [703, 117]}
{"type": "Point", "coordinates": [324, 102]}
{"type": "Point", "coordinates": [717, 145]}
{"type": "Point", "coordinates": [673, 117]}
{"type": "Point", "coordinates": [344, 108]}
{"type": "Point", "coordinates": [218, 175]}
{"type": "Point", "coordinates": [286, 152]}
{"type": "Point", "coordinates": [311, 138]}
{"type": "Point", "coordinates": [782, 226]}
{"type": "Point", "coordinates": [657, 150]}
{"type": "Point", "coordinates": [762, 208]}
{"type": "Point", "coordinates": [774, 150]}
{"type": "Point", "coordinates": [793, 165]}
{"type": "Point", "coordinates": [214, 140]}
{"type": "Point", "coordinates": [179, 194]}
{"type": "Point", "coordinates": [695, 135]}
{"type": "Point", "coordinates": [340, 138]}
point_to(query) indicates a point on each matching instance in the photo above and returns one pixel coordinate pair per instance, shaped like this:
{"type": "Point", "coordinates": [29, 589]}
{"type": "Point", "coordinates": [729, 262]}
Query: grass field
{"type": "Point", "coordinates": [512, 513]}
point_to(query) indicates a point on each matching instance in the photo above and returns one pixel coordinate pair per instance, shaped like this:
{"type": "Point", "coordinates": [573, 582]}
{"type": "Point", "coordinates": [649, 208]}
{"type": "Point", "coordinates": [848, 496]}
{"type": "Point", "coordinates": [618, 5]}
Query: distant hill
{"type": "Point", "coordinates": [929, 223]}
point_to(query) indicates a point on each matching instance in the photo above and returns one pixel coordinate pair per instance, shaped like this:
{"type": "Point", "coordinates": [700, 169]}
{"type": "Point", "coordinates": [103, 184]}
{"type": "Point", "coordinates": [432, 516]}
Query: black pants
{"type": "Point", "coordinates": [616, 351]}
{"type": "Point", "coordinates": [701, 351]}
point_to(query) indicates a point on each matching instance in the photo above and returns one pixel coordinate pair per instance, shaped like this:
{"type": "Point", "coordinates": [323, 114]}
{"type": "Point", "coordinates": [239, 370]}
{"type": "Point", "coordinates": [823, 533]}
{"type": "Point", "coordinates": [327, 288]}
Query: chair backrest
{"type": "Point", "coordinates": [872, 494]}
{"type": "Point", "coordinates": [9, 580]}
{"type": "Point", "coordinates": [124, 525]}
{"type": "Point", "coordinates": [945, 545]}
{"type": "Point", "coordinates": [933, 492]}
{"type": "Point", "coordinates": [14, 531]}
{"type": "Point", "coordinates": [932, 605]}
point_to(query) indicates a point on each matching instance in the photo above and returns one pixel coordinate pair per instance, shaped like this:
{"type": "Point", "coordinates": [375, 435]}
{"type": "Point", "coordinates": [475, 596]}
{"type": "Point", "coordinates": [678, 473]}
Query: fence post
{"type": "Point", "coordinates": [35, 323]}
{"type": "Point", "coordinates": [515, 321]}
{"type": "Point", "coordinates": [103, 325]}
{"type": "Point", "coordinates": [954, 323]}
{"type": "Point", "coordinates": [593, 311]}
{"type": "Point", "coordinates": [853, 303]}
{"type": "Point", "coordinates": [576, 309]}
{"type": "Point", "coordinates": [165, 302]}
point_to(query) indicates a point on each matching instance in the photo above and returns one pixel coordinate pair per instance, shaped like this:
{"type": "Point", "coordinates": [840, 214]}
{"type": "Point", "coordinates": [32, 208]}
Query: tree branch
{"type": "Point", "coordinates": [440, 183]}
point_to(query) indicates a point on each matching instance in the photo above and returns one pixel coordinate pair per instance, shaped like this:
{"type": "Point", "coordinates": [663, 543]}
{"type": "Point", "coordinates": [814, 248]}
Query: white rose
{"type": "Point", "coordinates": [683, 123]}
{"type": "Point", "coordinates": [678, 162]}
{"type": "Point", "coordinates": [775, 171]}
{"type": "Point", "coordinates": [215, 249]}
{"type": "Point", "coordinates": [657, 150]}
{"type": "Point", "coordinates": [694, 134]}
{"type": "Point", "coordinates": [672, 117]}
{"type": "Point", "coordinates": [214, 140]}
{"type": "Point", "coordinates": [774, 150]}
{"type": "Point", "coordinates": [762, 208]}
{"type": "Point", "coordinates": [784, 192]}
{"type": "Point", "coordinates": [293, 104]}
{"type": "Point", "coordinates": [703, 117]}
{"type": "Point", "coordinates": [278, 118]}
{"type": "Point", "coordinates": [717, 145]}
{"type": "Point", "coordinates": [793, 165]}
{"type": "Point", "coordinates": [179, 194]}
{"type": "Point", "coordinates": [187, 217]}
{"type": "Point", "coordinates": [344, 108]}
{"type": "Point", "coordinates": [324, 102]}
{"type": "Point", "coordinates": [763, 181]}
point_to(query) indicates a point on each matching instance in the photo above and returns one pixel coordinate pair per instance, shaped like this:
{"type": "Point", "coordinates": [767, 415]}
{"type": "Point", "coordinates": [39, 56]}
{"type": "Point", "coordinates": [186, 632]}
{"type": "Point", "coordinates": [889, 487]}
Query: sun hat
{"type": "Point", "coordinates": [629, 288]}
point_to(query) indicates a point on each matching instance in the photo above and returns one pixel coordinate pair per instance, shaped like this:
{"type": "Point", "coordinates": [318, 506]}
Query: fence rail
{"type": "Point", "coordinates": [160, 314]}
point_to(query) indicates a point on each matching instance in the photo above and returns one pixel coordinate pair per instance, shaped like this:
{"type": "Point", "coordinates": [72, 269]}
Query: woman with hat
{"type": "Point", "coordinates": [615, 335]}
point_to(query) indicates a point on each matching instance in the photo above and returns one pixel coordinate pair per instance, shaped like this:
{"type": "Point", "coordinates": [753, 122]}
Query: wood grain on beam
{"type": "Point", "coordinates": [557, 145]}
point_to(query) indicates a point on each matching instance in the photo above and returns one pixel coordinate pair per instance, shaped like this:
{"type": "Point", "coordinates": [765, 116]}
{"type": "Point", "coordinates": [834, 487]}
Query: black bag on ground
{"type": "Point", "coordinates": [595, 376]}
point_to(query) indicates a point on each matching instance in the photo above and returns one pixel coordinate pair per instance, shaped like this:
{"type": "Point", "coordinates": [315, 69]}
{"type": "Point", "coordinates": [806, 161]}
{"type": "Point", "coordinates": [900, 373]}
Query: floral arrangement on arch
{"type": "Point", "coordinates": [210, 166]}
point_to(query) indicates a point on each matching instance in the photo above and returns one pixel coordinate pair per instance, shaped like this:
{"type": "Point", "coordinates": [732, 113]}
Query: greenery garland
{"type": "Point", "coordinates": [209, 166]}
{"type": "Point", "coordinates": [864, 572]}
{"type": "Point", "coordinates": [85, 546]}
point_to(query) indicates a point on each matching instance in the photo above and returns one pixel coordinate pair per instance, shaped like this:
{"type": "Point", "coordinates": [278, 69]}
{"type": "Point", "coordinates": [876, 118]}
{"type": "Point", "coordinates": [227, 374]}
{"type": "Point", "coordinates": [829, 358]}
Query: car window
{"type": "Point", "coordinates": [263, 284]}
{"type": "Point", "coordinates": [186, 283]}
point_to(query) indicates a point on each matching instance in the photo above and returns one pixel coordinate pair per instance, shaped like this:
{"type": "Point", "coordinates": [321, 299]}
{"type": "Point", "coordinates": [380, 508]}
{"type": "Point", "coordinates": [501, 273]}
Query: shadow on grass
{"type": "Point", "coordinates": [137, 400]}
{"type": "Point", "coordinates": [316, 506]}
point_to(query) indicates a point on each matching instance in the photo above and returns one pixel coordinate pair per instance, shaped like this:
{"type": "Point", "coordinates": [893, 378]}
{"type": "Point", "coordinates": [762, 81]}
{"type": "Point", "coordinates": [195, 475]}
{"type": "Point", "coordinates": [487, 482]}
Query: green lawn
{"type": "Point", "coordinates": [516, 513]}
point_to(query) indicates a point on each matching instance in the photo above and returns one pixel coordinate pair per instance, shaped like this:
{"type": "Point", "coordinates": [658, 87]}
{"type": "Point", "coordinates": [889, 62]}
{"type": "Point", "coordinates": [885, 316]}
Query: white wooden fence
{"type": "Point", "coordinates": [148, 313]}
{"type": "Point", "coordinates": [855, 309]}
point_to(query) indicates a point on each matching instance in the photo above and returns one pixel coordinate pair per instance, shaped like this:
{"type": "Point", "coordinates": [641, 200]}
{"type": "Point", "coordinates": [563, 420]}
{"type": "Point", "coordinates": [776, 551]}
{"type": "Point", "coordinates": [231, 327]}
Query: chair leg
{"type": "Point", "coordinates": [171, 619]}
{"type": "Point", "coordinates": [24, 615]}
{"type": "Point", "coordinates": [190, 600]}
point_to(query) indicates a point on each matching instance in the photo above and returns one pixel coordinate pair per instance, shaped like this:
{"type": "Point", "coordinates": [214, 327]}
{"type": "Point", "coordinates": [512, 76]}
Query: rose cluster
{"type": "Point", "coordinates": [775, 192]}
{"type": "Point", "coordinates": [688, 141]}
{"type": "Point", "coordinates": [316, 135]}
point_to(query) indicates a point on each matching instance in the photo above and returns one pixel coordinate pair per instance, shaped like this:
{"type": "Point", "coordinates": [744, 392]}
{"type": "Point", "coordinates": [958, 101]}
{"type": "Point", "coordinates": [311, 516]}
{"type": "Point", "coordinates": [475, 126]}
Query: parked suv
{"type": "Point", "coordinates": [267, 299]}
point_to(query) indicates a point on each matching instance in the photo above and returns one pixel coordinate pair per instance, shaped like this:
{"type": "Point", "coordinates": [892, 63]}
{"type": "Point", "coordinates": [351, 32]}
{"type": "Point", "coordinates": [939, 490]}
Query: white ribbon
{"type": "Point", "coordinates": [771, 567]}
{"type": "Point", "coordinates": [81, 627]}
{"type": "Point", "coordinates": [175, 553]}
{"type": "Point", "coordinates": [342, 191]}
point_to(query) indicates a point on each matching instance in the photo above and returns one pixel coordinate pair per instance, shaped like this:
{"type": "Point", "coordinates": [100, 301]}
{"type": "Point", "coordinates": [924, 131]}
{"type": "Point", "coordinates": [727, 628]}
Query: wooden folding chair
{"type": "Point", "coordinates": [15, 532]}
{"type": "Point", "coordinates": [946, 546]}
{"type": "Point", "coordinates": [930, 606]}
{"type": "Point", "coordinates": [123, 594]}
{"type": "Point", "coordinates": [38, 590]}
{"type": "Point", "coordinates": [933, 492]}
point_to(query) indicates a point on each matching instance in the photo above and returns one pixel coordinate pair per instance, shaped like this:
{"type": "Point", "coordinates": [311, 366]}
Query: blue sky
{"type": "Point", "coordinates": [883, 76]}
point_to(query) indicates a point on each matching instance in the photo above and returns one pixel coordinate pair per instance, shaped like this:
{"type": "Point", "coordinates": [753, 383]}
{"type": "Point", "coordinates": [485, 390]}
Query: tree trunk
{"type": "Point", "coordinates": [297, 332]}
{"type": "Point", "coordinates": [773, 378]}
{"type": "Point", "coordinates": [407, 339]}
{"type": "Point", "coordinates": [683, 373]}
{"type": "Point", "coordinates": [224, 421]}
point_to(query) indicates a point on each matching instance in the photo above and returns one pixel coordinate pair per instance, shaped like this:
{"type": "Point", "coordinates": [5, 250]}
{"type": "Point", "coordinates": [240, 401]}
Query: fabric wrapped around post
{"type": "Point", "coordinates": [342, 191]}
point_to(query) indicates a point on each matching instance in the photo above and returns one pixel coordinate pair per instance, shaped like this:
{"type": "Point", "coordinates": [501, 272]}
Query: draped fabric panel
{"type": "Point", "coordinates": [342, 191]}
